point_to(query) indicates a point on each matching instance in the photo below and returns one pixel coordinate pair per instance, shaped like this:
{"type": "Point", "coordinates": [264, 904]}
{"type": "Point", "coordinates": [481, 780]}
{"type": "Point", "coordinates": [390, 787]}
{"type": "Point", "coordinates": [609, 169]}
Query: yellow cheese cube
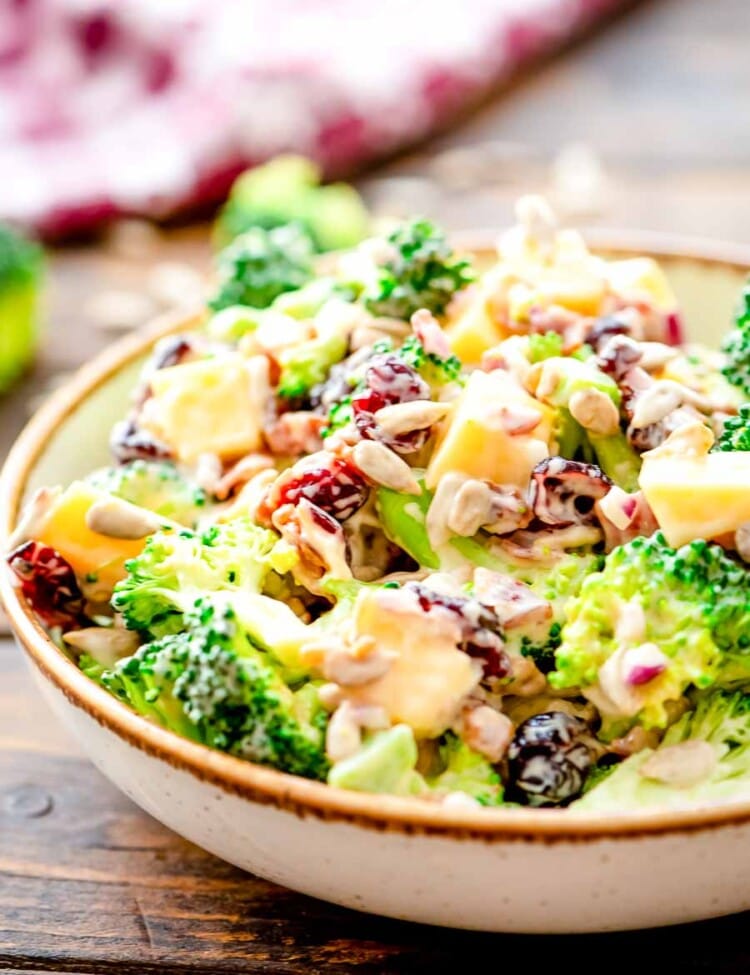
{"type": "Point", "coordinates": [574, 289]}
{"type": "Point", "coordinates": [474, 331]}
{"type": "Point", "coordinates": [641, 278]}
{"type": "Point", "coordinates": [697, 496]}
{"type": "Point", "coordinates": [476, 440]}
{"type": "Point", "coordinates": [90, 554]}
{"type": "Point", "coordinates": [211, 406]}
{"type": "Point", "coordinates": [429, 677]}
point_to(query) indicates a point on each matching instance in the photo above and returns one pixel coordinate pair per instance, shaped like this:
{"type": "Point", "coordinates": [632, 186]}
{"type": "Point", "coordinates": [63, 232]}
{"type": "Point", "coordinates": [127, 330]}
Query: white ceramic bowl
{"type": "Point", "coordinates": [498, 870]}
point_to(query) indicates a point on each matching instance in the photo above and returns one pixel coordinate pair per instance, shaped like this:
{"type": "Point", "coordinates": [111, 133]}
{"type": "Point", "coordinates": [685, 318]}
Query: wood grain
{"type": "Point", "coordinates": [90, 884]}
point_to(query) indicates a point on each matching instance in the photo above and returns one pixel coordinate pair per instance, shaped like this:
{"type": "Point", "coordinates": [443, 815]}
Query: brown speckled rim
{"type": "Point", "coordinates": [267, 786]}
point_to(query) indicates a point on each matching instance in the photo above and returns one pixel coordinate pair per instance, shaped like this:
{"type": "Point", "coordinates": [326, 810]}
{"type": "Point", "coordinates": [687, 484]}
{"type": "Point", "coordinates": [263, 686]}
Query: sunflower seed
{"type": "Point", "coordinates": [595, 411]}
{"type": "Point", "coordinates": [107, 644]}
{"type": "Point", "coordinates": [120, 519]}
{"type": "Point", "coordinates": [381, 465]}
{"type": "Point", "coordinates": [406, 417]}
{"type": "Point", "coordinates": [471, 508]}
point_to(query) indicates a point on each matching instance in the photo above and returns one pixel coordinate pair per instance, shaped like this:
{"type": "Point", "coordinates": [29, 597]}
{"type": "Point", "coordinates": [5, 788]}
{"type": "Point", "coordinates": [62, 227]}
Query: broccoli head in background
{"type": "Point", "coordinates": [156, 485]}
{"type": "Point", "coordinates": [21, 264]}
{"type": "Point", "coordinates": [736, 346]}
{"type": "Point", "coordinates": [288, 190]}
{"type": "Point", "coordinates": [260, 265]}
{"type": "Point", "coordinates": [174, 568]}
{"type": "Point", "coordinates": [709, 747]}
{"type": "Point", "coordinates": [654, 622]}
{"type": "Point", "coordinates": [423, 272]}
{"type": "Point", "coordinates": [211, 684]}
{"type": "Point", "coordinates": [736, 432]}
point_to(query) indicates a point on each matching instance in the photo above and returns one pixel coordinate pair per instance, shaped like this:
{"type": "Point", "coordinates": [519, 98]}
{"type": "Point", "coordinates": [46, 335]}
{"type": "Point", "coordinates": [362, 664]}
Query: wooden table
{"type": "Point", "coordinates": [88, 883]}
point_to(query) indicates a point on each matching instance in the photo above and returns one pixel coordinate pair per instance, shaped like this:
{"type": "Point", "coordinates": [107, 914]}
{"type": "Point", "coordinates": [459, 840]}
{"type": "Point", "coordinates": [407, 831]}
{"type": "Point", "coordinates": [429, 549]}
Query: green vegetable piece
{"type": "Point", "coordinates": [545, 346]}
{"type": "Point", "coordinates": [176, 568]}
{"type": "Point", "coordinates": [210, 683]}
{"type": "Point", "coordinates": [432, 368]}
{"type": "Point", "coordinates": [423, 273]}
{"type": "Point", "coordinates": [232, 322]}
{"type": "Point", "coordinates": [736, 433]}
{"type": "Point", "coordinates": [384, 764]}
{"type": "Point", "coordinates": [21, 271]}
{"type": "Point", "coordinates": [156, 485]}
{"type": "Point", "coordinates": [403, 519]}
{"type": "Point", "coordinates": [309, 364]}
{"type": "Point", "coordinates": [465, 770]}
{"type": "Point", "coordinates": [287, 190]}
{"type": "Point", "coordinates": [722, 720]}
{"type": "Point", "coordinates": [260, 265]}
{"type": "Point", "coordinates": [617, 458]}
{"type": "Point", "coordinates": [736, 345]}
{"type": "Point", "coordinates": [695, 604]}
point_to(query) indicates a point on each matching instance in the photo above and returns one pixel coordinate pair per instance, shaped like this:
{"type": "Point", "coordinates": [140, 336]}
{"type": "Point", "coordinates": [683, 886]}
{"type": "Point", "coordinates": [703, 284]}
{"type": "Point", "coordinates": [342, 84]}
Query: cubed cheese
{"type": "Point", "coordinates": [476, 440]}
{"type": "Point", "coordinates": [640, 278]}
{"type": "Point", "coordinates": [211, 406]}
{"type": "Point", "coordinates": [697, 497]}
{"type": "Point", "coordinates": [429, 676]}
{"type": "Point", "coordinates": [99, 558]}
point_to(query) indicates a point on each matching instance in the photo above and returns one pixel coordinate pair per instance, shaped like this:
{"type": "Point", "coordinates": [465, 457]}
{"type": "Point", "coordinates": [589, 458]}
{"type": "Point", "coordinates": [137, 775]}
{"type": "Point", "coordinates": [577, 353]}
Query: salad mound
{"type": "Point", "coordinates": [409, 526]}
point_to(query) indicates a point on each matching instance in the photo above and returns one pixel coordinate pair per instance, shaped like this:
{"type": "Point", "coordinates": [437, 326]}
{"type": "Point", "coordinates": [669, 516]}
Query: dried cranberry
{"type": "Point", "coordinates": [617, 357]}
{"type": "Point", "coordinates": [604, 328]}
{"type": "Point", "coordinates": [130, 442]}
{"type": "Point", "coordinates": [336, 488]}
{"type": "Point", "coordinates": [564, 492]}
{"type": "Point", "coordinates": [480, 627]}
{"type": "Point", "coordinates": [49, 584]}
{"type": "Point", "coordinates": [395, 381]}
{"type": "Point", "coordinates": [549, 759]}
{"type": "Point", "coordinates": [171, 351]}
{"type": "Point", "coordinates": [389, 381]}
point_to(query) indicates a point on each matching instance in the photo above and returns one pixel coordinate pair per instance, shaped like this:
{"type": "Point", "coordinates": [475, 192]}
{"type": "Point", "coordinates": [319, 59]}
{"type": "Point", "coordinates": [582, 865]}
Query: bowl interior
{"type": "Point", "coordinates": [706, 288]}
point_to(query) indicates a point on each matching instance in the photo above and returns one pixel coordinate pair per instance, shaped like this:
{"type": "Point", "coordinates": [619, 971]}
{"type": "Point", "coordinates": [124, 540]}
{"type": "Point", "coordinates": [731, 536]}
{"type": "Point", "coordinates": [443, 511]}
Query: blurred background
{"type": "Point", "coordinates": [123, 126]}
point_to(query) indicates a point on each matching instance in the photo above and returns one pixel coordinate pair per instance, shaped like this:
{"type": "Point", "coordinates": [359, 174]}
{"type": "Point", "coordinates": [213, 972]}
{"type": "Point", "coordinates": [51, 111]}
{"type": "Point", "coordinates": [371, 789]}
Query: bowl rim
{"type": "Point", "coordinates": [268, 786]}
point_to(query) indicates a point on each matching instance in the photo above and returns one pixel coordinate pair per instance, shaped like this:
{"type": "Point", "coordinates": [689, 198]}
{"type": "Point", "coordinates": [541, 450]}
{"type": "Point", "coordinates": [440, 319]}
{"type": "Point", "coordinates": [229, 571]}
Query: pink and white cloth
{"type": "Point", "coordinates": [144, 107]}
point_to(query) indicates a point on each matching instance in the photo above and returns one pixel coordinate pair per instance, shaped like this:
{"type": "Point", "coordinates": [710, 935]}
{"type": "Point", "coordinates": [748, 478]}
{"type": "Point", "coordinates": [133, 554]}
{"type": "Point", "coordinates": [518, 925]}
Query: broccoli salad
{"type": "Point", "coordinates": [410, 524]}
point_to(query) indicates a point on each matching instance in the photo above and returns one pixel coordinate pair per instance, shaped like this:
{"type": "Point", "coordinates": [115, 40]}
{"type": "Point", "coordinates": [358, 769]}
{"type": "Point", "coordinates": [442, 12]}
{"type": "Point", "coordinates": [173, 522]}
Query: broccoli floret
{"type": "Point", "coordinates": [432, 368]}
{"type": "Point", "coordinates": [307, 364]}
{"type": "Point", "coordinates": [384, 764]}
{"type": "Point", "coordinates": [422, 273]}
{"type": "Point", "coordinates": [288, 190]}
{"type": "Point", "coordinates": [721, 719]}
{"type": "Point", "coordinates": [736, 345]}
{"type": "Point", "coordinates": [260, 265]}
{"type": "Point", "coordinates": [156, 485]}
{"type": "Point", "coordinates": [736, 432]}
{"type": "Point", "coordinates": [21, 266]}
{"type": "Point", "coordinates": [692, 603]}
{"type": "Point", "coordinates": [465, 770]}
{"type": "Point", "coordinates": [174, 568]}
{"type": "Point", "coordinates": [211, 684]}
